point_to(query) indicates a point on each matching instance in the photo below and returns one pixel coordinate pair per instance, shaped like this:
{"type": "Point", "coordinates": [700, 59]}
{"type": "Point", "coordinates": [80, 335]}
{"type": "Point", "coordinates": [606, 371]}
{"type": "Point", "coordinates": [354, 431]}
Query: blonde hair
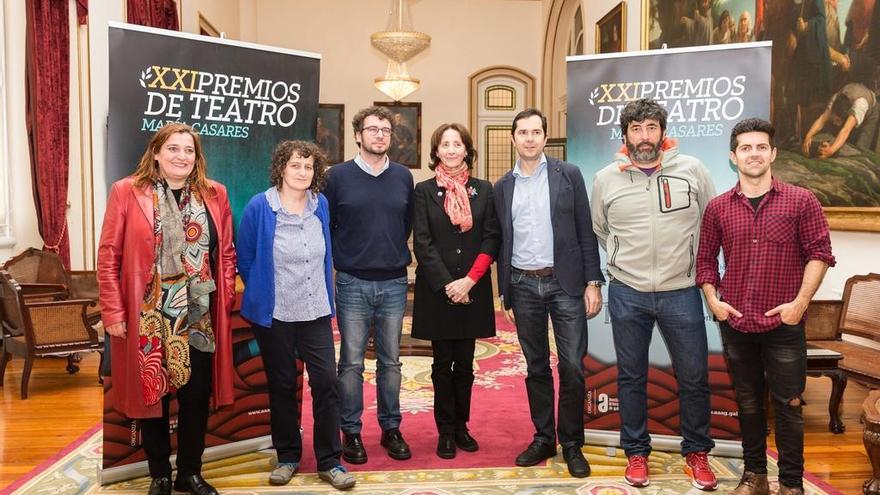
{"type": "Point", "coordinates": [147, 171]}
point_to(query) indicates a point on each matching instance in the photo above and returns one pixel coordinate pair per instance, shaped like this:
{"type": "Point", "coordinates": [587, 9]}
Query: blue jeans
{"type": "Point", "coordinates": [362, 305]}
{"type": "Point", "coordinates": [533, 298]}
{"type": "Point", "coordinates": [679, 315]}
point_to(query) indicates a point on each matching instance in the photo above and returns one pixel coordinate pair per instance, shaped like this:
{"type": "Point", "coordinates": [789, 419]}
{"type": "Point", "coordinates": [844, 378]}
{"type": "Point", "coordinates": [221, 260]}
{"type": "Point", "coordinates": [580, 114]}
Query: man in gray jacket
{"type": "Point", "coordinates": [646, 209]}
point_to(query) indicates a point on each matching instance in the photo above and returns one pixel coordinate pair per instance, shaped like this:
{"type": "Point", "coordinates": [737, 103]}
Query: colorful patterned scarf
{"type": "Point", "coordinates": [175, 311]}
{"type": "Point", "coordinates": [457, 203]}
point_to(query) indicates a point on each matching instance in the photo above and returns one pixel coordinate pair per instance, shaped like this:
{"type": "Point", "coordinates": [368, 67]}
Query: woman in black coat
{"type": "Point", "coordinates": [455, 239]}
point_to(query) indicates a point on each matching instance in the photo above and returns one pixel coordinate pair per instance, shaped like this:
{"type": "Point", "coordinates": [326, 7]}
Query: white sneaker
{"type": "Point", "coordinates": [339, 477]}
{"type": "Point", "coordinates": [283, 473]}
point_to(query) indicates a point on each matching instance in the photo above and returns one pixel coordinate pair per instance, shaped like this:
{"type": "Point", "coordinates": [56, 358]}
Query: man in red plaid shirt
{"type": "Point", "coordinates": [776, 250]}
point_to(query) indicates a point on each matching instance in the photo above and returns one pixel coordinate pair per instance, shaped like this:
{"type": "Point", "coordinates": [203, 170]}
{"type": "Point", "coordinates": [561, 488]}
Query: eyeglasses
{"type": "Point", "coordinates": [374, 131]}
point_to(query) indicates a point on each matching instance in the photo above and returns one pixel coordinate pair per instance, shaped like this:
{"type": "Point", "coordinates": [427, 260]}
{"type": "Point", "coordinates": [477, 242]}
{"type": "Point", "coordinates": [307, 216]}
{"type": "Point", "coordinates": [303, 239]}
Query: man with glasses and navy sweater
{"type": "Point", "coordinates": [370, 201]}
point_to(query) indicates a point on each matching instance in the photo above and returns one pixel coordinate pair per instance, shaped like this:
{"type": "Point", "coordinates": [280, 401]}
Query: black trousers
{"type": "Point", "coordinates": [280, 346]}
{"type": "Point", "coordinates": [192, 423]}
{"type": "Point", "coordinates": [452, 373]}
{"type": "Point", "coordinates": [776, 360]}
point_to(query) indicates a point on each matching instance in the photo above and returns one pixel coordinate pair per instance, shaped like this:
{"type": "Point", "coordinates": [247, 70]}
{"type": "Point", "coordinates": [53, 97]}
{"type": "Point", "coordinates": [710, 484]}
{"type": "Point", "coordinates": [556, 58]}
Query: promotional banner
{"type": "Point", "coordinates": [242, 99]}
{"type": "Point", "coordinates": [706, 91]}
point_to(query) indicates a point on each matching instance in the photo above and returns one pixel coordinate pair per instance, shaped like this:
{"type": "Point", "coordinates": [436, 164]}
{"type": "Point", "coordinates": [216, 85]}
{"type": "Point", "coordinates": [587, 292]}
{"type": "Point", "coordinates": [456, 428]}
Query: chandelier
{"type": "Point", "coordinates": [399, 42]}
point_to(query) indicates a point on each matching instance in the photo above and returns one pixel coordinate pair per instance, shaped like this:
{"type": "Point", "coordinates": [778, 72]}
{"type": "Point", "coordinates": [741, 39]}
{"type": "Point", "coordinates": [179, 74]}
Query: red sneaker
{"type": "Point", "coordinates": [636, 473]}
{"type": "Point", "coordinates": [697, 467]}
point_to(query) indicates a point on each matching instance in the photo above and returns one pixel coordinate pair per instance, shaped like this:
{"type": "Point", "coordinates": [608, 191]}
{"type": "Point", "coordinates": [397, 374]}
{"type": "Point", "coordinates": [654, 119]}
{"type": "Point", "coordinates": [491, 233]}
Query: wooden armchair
{"type": "Point", "coordinates": [42, 277]}
{"type": "Point", "coordinates": [41, 274]}
{"type": "Point", "coordinates": [32, 329]}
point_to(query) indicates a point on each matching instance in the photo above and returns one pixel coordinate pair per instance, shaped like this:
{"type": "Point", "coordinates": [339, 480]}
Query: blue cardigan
{"type": "Point", "coordinates": [256, 237]}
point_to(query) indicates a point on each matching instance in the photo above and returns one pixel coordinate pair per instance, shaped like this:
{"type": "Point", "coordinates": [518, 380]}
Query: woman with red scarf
{"type": "Point", "coordinates": [166, 274]}
{"type": "Point", "coordinates": [455, 239]}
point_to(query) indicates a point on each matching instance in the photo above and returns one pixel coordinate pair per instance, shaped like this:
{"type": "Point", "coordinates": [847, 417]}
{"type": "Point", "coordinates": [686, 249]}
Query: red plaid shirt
{"type": "Point", "coordinates": [765, 251]}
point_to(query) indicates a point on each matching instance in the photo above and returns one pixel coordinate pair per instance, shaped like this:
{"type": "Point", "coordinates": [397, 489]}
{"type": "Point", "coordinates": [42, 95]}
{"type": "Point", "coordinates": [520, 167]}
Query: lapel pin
{"type": "Point", "coordinates": [439, 193]}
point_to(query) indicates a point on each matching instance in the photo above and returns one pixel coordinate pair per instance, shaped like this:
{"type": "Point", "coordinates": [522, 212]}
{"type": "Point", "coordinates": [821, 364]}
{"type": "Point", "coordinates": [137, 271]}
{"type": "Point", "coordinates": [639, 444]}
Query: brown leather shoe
{"type": "Point", "coordinates": [784, 490]}
{"type": "Point", "coordinates": [752, 484]}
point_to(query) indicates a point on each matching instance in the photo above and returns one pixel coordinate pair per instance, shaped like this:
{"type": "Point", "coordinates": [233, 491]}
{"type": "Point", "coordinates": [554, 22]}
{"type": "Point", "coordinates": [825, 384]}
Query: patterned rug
{"type": "Point", "coordinates": [75, 472]}
{"type": "Point", "coordinates": [500, 421]}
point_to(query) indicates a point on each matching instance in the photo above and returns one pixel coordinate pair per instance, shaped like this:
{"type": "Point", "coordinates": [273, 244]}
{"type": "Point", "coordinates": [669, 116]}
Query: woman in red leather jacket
{"type": "Point", "coordinates": [166, 271]}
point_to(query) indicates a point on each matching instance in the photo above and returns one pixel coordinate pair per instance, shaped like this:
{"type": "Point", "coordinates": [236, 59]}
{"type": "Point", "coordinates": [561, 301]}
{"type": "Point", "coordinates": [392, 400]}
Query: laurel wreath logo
{"type": "Point", "coordinates": [146, 75]}
{"type": "Point", "coordinates": [593, 94]}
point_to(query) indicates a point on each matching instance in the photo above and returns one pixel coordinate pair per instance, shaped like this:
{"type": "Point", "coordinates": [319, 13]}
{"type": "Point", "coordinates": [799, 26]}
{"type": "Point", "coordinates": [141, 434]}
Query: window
{"type": "Point", "coordinates": [499, 151]}
{"type": "Point", "coordinates": [500, 98]}
{"type": "Point", "coordinates": [496, 95]}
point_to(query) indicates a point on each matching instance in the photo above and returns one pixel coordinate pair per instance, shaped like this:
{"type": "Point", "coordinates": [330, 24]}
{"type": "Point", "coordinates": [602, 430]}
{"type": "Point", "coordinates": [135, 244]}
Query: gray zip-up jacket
{"type": "Point", "coordinates": [649, 226]}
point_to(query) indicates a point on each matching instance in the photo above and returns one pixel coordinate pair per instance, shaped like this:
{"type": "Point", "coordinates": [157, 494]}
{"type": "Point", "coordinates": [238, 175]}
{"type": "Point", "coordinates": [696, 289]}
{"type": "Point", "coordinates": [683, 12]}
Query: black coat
{"type": "Point", "coordinates": [445, 254]}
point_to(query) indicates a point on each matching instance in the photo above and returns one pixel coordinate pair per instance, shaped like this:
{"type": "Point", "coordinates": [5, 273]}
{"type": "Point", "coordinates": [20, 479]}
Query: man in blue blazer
{"type": "Point", "coordinates": [548, 265]}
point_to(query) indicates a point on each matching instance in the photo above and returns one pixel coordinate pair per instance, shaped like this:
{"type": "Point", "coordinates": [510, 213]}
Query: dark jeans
{"type": "Point", "coordinates": [452, 373]}
{"type": "Point", "coordinates": [192, 423]}
{"type": "Point", "coordinates": [679, 316]}
{"type": "Point", "coordinates": [776, 360]}
{"type": "Point", "coordinates": [311, 341]}
{"type": "Point", "coordinates": [533, 299]}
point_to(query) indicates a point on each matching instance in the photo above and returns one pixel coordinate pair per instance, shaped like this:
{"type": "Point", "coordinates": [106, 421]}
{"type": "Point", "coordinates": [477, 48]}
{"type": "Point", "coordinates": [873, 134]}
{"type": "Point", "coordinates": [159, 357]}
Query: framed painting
{"type": "Point", "coordinates": [825, 82]}
{"type": "Point", "coordinates": [682, 23]}
{"type": "Point", "coordinates": [330, 133]}
{"type": "Point", "coordinates": [406, 141]}
{"type": "Point", "coordinates": [611, 30]}
{"type": "Point", "coordinates": [825, 106]}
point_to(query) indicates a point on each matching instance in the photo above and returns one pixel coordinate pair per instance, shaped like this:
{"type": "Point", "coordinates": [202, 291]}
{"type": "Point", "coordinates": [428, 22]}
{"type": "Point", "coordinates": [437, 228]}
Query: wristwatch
{"type": "Point", "coordinates": [595, 283]}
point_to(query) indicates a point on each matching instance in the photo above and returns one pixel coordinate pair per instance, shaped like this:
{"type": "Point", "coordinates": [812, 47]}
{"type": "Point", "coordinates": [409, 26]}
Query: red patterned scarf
{"type": "Point", "coordinates": [175, 310]}
{"type": "Point", "coordinates": [457, 204]}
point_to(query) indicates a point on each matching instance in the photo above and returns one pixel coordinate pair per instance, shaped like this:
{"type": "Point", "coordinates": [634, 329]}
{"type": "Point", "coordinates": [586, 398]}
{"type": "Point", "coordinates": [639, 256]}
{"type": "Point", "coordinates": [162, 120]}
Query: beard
{"type": "Point", "coordinates": [638, 154]}
{"type": "Point", "coordinates": [375, 148]}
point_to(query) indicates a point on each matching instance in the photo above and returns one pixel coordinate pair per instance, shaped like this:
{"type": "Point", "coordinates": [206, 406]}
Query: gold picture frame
{"type": "Point", "coordinates": [791, 164]}
{"type": "Point", "coordinates": [611, 30]}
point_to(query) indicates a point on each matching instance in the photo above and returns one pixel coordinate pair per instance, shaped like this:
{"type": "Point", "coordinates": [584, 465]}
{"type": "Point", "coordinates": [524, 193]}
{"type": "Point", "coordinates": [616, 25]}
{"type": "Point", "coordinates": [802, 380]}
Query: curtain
{"type": "Point", "coordinates": [47, 54]}
{"type": "Point", "coordinates": [153, 13]}
{"type": "Point", "coordinates": [82, 11]}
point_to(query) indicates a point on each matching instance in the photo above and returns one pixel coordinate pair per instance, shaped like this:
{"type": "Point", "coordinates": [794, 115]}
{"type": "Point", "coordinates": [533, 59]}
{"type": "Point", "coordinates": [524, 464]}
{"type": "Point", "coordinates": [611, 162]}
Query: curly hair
{"type": "Point", "coordinates": [304, 149]}
{"type": "Point", "coordinates": [382, 113]}
{"type": "Point", "coordinates": [466, 140]}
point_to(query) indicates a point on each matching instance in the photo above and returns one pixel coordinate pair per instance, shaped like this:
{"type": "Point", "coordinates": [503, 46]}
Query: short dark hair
{"type": "Point", "coordinates": [357, 122]}
{"type": "Point", "coordinates": [639, 111]}
{"type": "Point", "coordinates": [529, 112]}
{"type": "Point", "coordinates": [751, 125]}
{"type": "Point", "coordinates": [841, 106]}
{"type": "Point", "coordinates": [305, 149]}
{"type": "Point", "coordinates": [466, 140]}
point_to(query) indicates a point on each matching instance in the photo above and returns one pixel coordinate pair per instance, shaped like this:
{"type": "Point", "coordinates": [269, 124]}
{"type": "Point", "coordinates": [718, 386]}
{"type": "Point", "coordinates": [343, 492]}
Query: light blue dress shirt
{"type": "Point", "coordinates": [367, 168]}
{"type": "Point", "coordinates": [532, 226]}
{"type": "Point", "coordinates": [298, 255]}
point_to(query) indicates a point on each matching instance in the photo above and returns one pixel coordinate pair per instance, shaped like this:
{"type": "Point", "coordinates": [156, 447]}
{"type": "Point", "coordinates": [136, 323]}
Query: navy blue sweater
{"type": "Point", "coordinates": [370, 220]}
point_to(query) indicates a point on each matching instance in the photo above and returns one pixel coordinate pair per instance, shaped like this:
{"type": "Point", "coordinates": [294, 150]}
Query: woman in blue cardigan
{"type": "Point", "coordinates": [284, 258]}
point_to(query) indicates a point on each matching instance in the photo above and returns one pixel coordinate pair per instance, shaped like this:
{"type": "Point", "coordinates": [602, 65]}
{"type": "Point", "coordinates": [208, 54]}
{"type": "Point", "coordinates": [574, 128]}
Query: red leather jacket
{"type": "Point", "coordinates": [125, 259]}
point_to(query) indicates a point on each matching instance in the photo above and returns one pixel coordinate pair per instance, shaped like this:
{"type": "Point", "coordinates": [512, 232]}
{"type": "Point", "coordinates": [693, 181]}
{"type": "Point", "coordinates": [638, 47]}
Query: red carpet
{"type": "Point", "coordinates": [499, 412]}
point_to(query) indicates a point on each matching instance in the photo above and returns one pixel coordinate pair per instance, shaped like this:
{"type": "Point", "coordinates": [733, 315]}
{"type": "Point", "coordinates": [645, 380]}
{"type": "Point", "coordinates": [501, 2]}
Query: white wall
{"type": "Point", "coordinates": [467, 35]}
{"type": "Point", "coordinates": [857, 253]}
{"type": "Point", "coordinates": [221, 14]}
{"type": "Point", "coordinates": [23, 223]}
